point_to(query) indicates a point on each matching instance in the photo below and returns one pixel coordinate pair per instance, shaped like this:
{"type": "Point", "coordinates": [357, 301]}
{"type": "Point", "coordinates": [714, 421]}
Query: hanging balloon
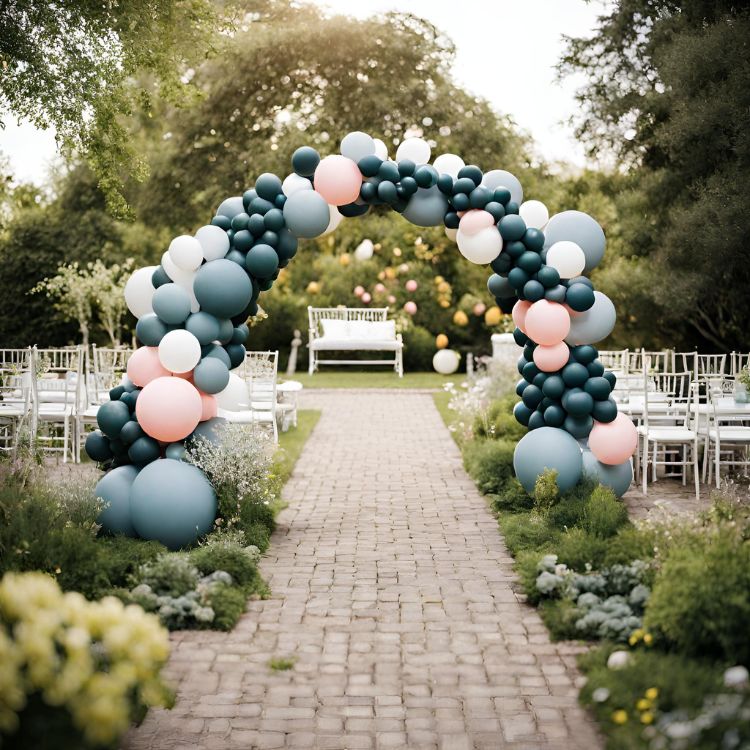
{"type": "Point", "coordinates": [534, 213]}
{"type": "Point", "coordinates": [449, 164]}
{"type": "Point", "coordinates": [482, 247]}
{"type": "Point", "coordinates": [578, 227]}
{"type": "Point", "coordinates": [416, 150]}
{"type": "Point", "coordinates": [338, 180]}
{"type": "Point", "coordinates": [357, 145]}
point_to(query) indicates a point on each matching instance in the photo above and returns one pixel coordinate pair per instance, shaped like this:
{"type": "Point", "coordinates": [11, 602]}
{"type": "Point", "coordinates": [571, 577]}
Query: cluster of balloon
{"type": "Point", "coordinates": [380, 290]}
{"type": "Point", "coordinates": [192, 309]}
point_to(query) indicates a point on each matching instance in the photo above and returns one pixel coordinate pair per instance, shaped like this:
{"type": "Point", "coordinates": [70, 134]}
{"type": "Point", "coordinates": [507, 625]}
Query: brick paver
{"type": "Point", "coordinates": [395, 595]}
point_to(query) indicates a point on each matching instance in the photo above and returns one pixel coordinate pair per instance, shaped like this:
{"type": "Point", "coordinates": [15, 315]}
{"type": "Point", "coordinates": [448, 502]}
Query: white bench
{"type": "Point", "coordinates": [349, 329]}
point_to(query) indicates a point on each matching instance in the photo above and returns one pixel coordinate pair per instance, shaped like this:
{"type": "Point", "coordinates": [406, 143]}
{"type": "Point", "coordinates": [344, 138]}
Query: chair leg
{"type": "Point", "coordinates": [695, 471]}
{"type": "Point", "coordinates": [653, 464]}
{"type": "Point", "coordinates": [718, 461]}
{"type": "Point", "coordinates": [684, 464]}
{"type": "Point", "coordinates": [644, 467]}
{"type": "Point", "coordinates": [66, 438]}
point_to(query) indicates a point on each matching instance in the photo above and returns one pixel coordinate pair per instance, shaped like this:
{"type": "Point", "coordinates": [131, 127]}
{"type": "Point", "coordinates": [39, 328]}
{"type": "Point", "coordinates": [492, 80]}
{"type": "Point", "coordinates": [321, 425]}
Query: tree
{"type": "Point", "coordinates": [669, 93]}
{"type": "Point", "coordinates": [70, 66]}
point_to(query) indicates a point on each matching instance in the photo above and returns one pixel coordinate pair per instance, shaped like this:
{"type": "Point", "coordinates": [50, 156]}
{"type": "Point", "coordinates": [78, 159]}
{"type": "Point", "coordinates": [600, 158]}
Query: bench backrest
{"type": "Point", "coordinates": [316, 314]}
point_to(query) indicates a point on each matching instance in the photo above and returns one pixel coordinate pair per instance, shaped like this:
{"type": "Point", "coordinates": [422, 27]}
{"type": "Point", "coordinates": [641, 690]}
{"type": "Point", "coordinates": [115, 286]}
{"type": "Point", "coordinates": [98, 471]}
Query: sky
{"type": "Point", "coordinates": [506, 51]}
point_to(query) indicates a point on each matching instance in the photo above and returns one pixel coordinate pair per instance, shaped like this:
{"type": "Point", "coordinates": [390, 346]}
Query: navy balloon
{"type": "Point", "coordinates": [97, 447]}
{"type": "Point", "coordinates": [112, 417]}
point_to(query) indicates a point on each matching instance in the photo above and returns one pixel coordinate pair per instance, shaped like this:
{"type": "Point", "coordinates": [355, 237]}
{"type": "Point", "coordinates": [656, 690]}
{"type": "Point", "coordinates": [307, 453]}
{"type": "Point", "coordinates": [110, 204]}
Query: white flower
{"type": "Point", "coordinates": [736, 677]}
{"type": "Point", "coordinates": [600, 695]}
{"type": "Point", "coordinates": [618, 660]}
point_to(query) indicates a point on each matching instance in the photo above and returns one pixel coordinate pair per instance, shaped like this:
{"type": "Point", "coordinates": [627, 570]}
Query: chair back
{"type": "Point", "coordinates": [668, 398]}
{"type": "Point", "coordinates": [724, 409]}
{"type": "Point", "coordinates": [617, 361]}
{"type": "Point", "coordinates": [738, 362]}
{"type": "Point", "coordinates": [107, 367]}
{"type": "Point", "coordinates": [316, 314]}
{"type": "Point", "coordinates": [59, 376]}
{"type": "Point", "coordinates": [261, 374]}
{"type": "Point", "coordinates": [16, 368]}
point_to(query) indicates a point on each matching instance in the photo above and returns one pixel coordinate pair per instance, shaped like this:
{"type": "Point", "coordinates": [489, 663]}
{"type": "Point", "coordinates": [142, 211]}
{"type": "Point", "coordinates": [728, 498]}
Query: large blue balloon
{"type": "Point", "coordinates": [114, 489]}
{"type": "Point", "coordinates": [617, 477]}
{"type": "Point", "coordinates": [427, 207]}
{"type": "Point", "coordinates": [548, 448]}
{"type": "Point", "coordinates": [231, 207]}
{"type": "Point", "coordinates": [306, 214]}
{"type": "Point", "coordinates": [578, 227]}
{"type": "Point", "coordinates": [172, 502]}
{"type": "Point", "coordinates": [222, 288]}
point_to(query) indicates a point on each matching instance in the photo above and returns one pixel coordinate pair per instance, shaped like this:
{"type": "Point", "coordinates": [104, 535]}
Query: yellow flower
{"type": "Point", "coordinates": [643, 704]}
{"type": "Point", "coordinates": [648, 639]}
{"type": "Point", "coordinates": [652, 693]}
{"type": "Point", "coordinates": [647, 718]}
{"type": "Point", "coordinates": [620, 717]}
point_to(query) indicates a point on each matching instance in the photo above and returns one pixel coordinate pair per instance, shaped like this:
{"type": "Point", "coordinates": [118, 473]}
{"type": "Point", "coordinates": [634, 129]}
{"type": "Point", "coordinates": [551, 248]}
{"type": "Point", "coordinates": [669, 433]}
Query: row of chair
{"type": "Point", "coordinates": [631, 361]}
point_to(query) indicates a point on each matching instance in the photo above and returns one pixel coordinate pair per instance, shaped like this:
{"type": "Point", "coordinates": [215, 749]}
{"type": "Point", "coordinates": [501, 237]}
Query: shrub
{"type": "Point", "coordinates": [498, 421]}
{"type": "Point", "coordinates": [527, 531]}
{"type": "Point", "coordinates": [577, 548]}
{"type": "Point", "coordinates": [257, 535]}
{"type": "Point", "coordinates": [419, 348]}
{"type": "Point", "coordinates": [490, 463]}
{"type": "Point", "coordinates": [567, 512]}
{"type": "Point", "coordinates": [700, 603]}
{"type": "Point", "coordinates": [603, 513]}
{"type": "Point", "coordinates": [171, 574]}
{"type": "Point", "coordinates": [546, 492]}
{"type": "Point", "coordinates": [239, 563]}
{"type": "Point", "coordinates": [228, 604]}
{"type": "Point", "coordinates": [630, 543]}
{"type": "Point", "coordinates": [513, 497]}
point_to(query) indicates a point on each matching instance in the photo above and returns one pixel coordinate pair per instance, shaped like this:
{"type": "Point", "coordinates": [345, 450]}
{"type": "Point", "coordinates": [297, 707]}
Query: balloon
{"type": "Point", "coordinates": [211, 375]}
{"type": "Point", "coordinates": [214, 242]}
{"type": "Point", "coordinates": [547, 322]}
{"type": "Point", "coordinates": [222, 288]}
{"type": "Point", "coordinates": [617, 478]}
{"type": "Point", "coordinates": [499, 286]}
{"type": "Point", "coordinates": [305, 160]}
{"type": "Point", "coordinates": [520, 310]}
{"type": "Point", "coordinates": [482, 247]}
{"type": "Point", "coordinates": [112, 417]}
{"type": "Point", "coordinates": [379, 288]}
{"type": "Point", "coordinates": [357, 145]}
{"type": "Point", "coordinates": [169, 409]}
{"type": "Point", "coordinates": [218, 352]}
{"type": "Point", "coordinates": [150, 329]}
{"type": "Point", "coordinates": [338, 180]}
{"type": "Point", "coordinates": [567, 258]}
{"type": "Point", "coordinates": [144, 366]}
{"type": "Point", "coordinates": [475, 221]}
{"type": "Point", "coordinates": [595, 324]}
{"type": "Point", "coordinates": [172, 502]}
{"type": "Point", "coordinates": [114, 490]}
{"type": "Point", "coordinates": [411, 285]}
{"type": "Point", "coordinates": [551, 358]}
{"type": "Point", "coordinates": [231, 207]}
{"type": "Point", "coordinates": [359, 291]}
{"type": "Point", "coordinates": [614, 442]}
{"type": "Point", "coordinates": [365, 250]}
{"type": "Point", "coordinates": [306, 213]}
{"type": "Point", "coordinates": [131, 432]}
{"type": "Point", "coordinates": [294, 182]}
{"type": "Point", "coordinates": [179, 351]}
{"type": "Point", "coordinates": [548, 448]}
{"type": "Point", "coordinates": [210, 407]}
{"type": "Point", "coordinates": [534, 213]}
{"type": "Point", "coordinates": [204, 326]}
{"type": "Point", "coordinates": [334, 221]}
{"type": "Point", "coordinates": [97, 447]}
{"type": "Point", "coordinates": [445, 361]}
{"type": "Point", "coordinates": [261, 261]}
{"type": "Point", "coordinates": [186, 252]}
{"type": "Point", "coordinates": [426, 207]}
{"type": "Point", "coordinates": [235, 396]}
{"type": "Point", "coordinates": [381, 150]}
{"type": "Point", "coordinates": [451, 233]}
{"type": "Point", "coordinates": [366, 298]}
{"type": "Point", "coordinates": [211, 430]}
{"type": "Point", "coordinates": [139, 290]}
{"type": "Point", "coordinates": [449, 164]}
{"type": "Point", "coordinates": [414, 149]}
{"type": "Point", "coordinates": [492, 316]}
{"type": "Point", "coordinates": [171, 303]}
{"type": "Point", "coordinates": [496, 178]}
{"type": "Point", "coordinates": [176, 451]}
{"type": "Point", "coordinates": [441, 341]}
{"type": "Point", "coordinates": [144, 450]}
{"type": "Point", "coordinates": [580, 228]}
{"type": "Point", "coordinates": [410, 308]}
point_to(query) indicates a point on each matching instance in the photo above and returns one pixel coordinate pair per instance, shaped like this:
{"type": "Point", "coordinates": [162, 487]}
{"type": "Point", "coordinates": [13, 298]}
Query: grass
{"type": "Point", "coordinates": [354, 378]}
{"type": "Point", "coordinates": [280, 664]}
{"type": "Point", "coordinates": [292, 442]}
{"type": "Point", "coordinates": [442, 399]}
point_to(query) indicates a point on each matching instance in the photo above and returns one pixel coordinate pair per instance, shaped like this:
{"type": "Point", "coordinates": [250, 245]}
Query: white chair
{"type": "Point", "coordinates": [16, 412]}
{"type": "Point", "coordinates": [738, 362]}
{"type": "Point", "coordinates": [615, 360]}
{"type": "Point", "coordinates": [727, 435]}
{"type": "Point", "coordinates": [105, 370]}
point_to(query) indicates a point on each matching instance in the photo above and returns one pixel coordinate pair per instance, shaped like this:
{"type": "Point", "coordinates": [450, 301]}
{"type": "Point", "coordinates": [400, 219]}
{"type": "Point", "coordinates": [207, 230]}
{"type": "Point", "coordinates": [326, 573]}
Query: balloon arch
{"type": "Point", "coordinates": [192, 309]}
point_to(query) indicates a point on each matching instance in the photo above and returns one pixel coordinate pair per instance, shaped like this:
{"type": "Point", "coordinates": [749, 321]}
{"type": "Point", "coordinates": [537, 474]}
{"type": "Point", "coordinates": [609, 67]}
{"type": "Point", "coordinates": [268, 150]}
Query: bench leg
{"type": "Point", "coordinates": [311, 363]}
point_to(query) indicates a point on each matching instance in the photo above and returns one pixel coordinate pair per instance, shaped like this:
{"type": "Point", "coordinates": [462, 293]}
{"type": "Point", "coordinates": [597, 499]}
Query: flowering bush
{"type": "Point", "coordinates": [91, 668]}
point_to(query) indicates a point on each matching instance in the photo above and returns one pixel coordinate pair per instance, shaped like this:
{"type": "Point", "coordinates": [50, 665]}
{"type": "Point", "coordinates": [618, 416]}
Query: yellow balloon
{"type": "Point", "coordinates": [460, 318]}
{"type": "Point", "coordinates": [493, 316]}
{"type": "Point", "coordinates": [313, 287]}
{"type": "Point", "coordinates": [345, 259]}
{"type": "Point", "coordinates": [441, 341]}
{"type": "Point", "coordinates": [444, 287]}
{"type": "Point", "coordinates": [444, 303]}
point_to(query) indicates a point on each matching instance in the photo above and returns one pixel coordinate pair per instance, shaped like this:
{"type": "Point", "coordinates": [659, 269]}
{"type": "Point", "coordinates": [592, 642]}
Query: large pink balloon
{"type": "Point", "coordinates": [519, 313]}
{"type": "Point", "coordinates": [615, 442]}
{"type": "Point", "coordinates": [169, 408]}
{"type": "Point", "coordinates": [209, 406]}
{"type": "Point", "coordinates": [547, 322]}
{"type": "Point", "coordinates": [338, 180]}
{"type": "Point", "coordinates": [144, 366]}
{"type": "Point", "coordinates": [475, 220]}
{"type": "Point", "coordinates": [551, 358]}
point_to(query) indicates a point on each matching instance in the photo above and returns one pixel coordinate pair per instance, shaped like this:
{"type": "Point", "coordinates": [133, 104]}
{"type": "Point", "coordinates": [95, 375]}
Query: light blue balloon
{"type": "Point", "coordinates": [357, 145]}
{"type": "Point", "coordinates": [172, 502]}
{"type": "Point", "coordinates": [114, 489]}
{"type": "Point", "coordinates": [211, 375]}
{"type": "Point", "coordinates": [578, 227]}
{"type": "Point", "coordinates": [231, 207]}
{"type": "Point", "coordinates": [204, 326]}
{"type": "Point", "coordinates": [427, 207]}
{"type": "Point", "coordinates": [306, 214]}
{"type": "Point", "coordinates": [496, 178]}
{"type": "Point", "coordinates": [617, 478]}
{"type": "Point", "coordinates": [595, 324]}
{"type": "Point", "coordinates": [150, 329]}
{"type": "Point", "coordinates": [171, 303]}
{"type": "Point", "coordinates": [548, 448]}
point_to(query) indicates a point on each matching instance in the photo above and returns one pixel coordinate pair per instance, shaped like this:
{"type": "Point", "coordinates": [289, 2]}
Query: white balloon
{"type": "Point", "coordinates": [449, 164]}
{"type": "Point", "coordinates": [357, 145]}
{"type": "Point", "coordinates": [496, 178]}
{"type": "Point", "coordinates": [179, 351]}
{"type": "Point", "coordinates": [294, 182]}
{"type": "Point", "coordinates": [235, 396]}
{"type": "Point", "coordinates": [414, 149]}
{"type": "Point", "coordinates": [365, 250]}
{"type": "Point", "coordinates": [186, 252]}
{"type": "Point", "coordinates": [482, 247]}
{"type": "Point", "coordinates": [381, 150]}
{"type": "Point", "coordinates": [451, 233]}
{"type": "Point", "coordinates": [534, 213]}
{"type": "Point", "coordinates": [445, 361]}
{"type": "Point", "coordinates": [214, 242]}
{"type": "Point", "coordinates": [139, 290]}
{"type": "Point", "coordinates": [567, 257]}
{"type": "Point", "coordinates": [336, 218]}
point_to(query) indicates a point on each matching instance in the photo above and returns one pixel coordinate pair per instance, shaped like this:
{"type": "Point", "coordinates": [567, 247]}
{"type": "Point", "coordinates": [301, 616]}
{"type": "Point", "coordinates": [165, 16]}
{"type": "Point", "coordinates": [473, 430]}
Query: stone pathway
{"type": "Point", "coordinates": [394, 595]}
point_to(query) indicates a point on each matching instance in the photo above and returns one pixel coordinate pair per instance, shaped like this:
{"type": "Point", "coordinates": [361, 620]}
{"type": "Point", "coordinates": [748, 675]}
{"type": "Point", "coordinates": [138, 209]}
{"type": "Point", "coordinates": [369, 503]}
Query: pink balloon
{"type": "Point", "coordinates": [551, 358]}
{"type": "Point", "coordinates": [547, 322]}
{"type": "Point", "coordinates": [366, 298]}
{"type": "Point", "coordinates": [411, 285]}
{"type": "Point", "coordinates": [184, 375]}
{"type": "Point", "coordinates": [144, 366]}
{"type": "Point", "coordinates": [338, 180]}
{"type": "Point", "coordinates": [210, 407]}
{"type": "Point", "coordinates": [169, 408]}
{"type": "Point", "coordinates": [411, 308]}
{"type": "Point", "coordinates": [519, 313]}
{"type": "Point", "coordinates": [379, 288]}
{"type": "Point", "coordinates": [391, 299]}
{"type": "Point", "coordinates": [615, 442]}
{"type": "Point", "coordinates": [475, 220]}
{"type": "Point", "coordinates": [479, 308]}
{"type": "Point", "coordinates": [359, 291]}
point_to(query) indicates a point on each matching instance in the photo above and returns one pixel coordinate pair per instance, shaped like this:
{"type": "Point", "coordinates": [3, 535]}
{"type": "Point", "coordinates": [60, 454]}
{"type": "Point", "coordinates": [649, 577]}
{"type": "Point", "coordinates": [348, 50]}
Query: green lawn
{"type": "Point", "coordinates": [293, 441]}
{"type": "Point", "coordinates": [375, 379]}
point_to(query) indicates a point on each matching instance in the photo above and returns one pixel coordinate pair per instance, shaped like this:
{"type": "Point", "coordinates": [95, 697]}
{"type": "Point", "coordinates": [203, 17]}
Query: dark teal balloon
{"type": "Point", "coordinates": [389, 171]}
{"type": "Point", "coordinates": [451, 220]}
{"type": "Point", "coordinates": [305, 161]}
{"type": "Point", "coordinates": [532, 396]}
{"type": "Point", "coordinates": [172, 502]}
{"type": "Point", "coordinates": [261, 206]}
{"type": "Point", "coordinates": [387, 192]}
{"type": "Point", "coordinates": [521, 387]}
{"type": "Point", "coordinates": [236, 257]}
{"type": "Point", "coordinates": [512, 228]}
{"type": "Point", "coordinates": [461, 202]}
{"type": "Point", "coordinates": [222, 288]}
{"type": "Point", "coordinates": [268, 186]}
{"type": "Point", "coordinates": [243, 240]}
{"type": "Point", "coordinates": [578, 427]}
{"type": "Point", "coordinates": [369, 165]}
{"type": "Point", "coordinates": [531, 263]}
{"type": "Point", "coordinates": [240, 334]}
{"type": "Point", "coordinates": [426, 208]}
{"type": "Point", "coordinates": [471, 172]}
{"type": "Point", "coordinates": [426, 176]}
{"type": "Point", "coordinates": [211, 430]}
{"type": "Point", "coordinates": [97, 447]}
{"type": "Point", "coordinates": [599, 388]}
{"type": "Point", "coordinates": [536, 420]}
{"type": "Point", "coordinates": [584, 353]}
{"type": "Point", "coordinates": [502, 264]}
{"type": "Point", "coordinates": [287, 245]}
{"type": "Point", "coordinates": [211, 374]}
{"type": "Point", "coordinates": [172, 303]}
{"type": "Point", "coordinates": [240, 222]}
{"type": "Point", "coordinates": [262, 261]}
{"type": "Point", "coordinates": [502, 195]}
{"type": "Point", "coordinates": [159, 278]}
{"type": "Point", "coordinates": [595, 369]}
{"type": "Point", "coordinates": [257, 224]}
{"type": "Point", "coordinates": [554, 416]}
{"type": "Point", "coordinates": [112, 417]}
{"type": "Point", "coordinates": [520, 337]}
{"type": "Point", "coordinates": [548, 448]}
{"type": "Point", "coordinates": [530, 371]}
{"type": "Point", "coordinates": [150, 329]}
{"type": "Point", "coordinates": [224, 222]}
{"type": "Point", "coordinates": [512, 208]}
{"type": "Point", "coordinates": [226, 329]}
{"type": "Point", "coordinates": [116, 392]}
{"type": "Point", "coordinates": [248, 197]}
{"type": "Point", "coordinates": [517, 278]}
{"type": "Point", "coordinates": [269, 238]}
{"type": "Point", "coordinates": [131, 432]}
{"type": "Point", "coordinates": [579, 297]}
{"type": "Point", "coordinates": [144, 450]}
{"type": "Point", "coordinates": [522, 413]}
{"type": "Point", "coordinates": [445, 184]}
{"type": "Point", "coordinates": [480, 197]}
{"type": "Point", "coordinates": [463, 185]}
{"type": "Point", "coordinates": [409, 185]}
{"type": "Point", "coordinates": [499, 286]}
{"type": "Point", "coordinates": [129, 398]}
{"type": "Point", "coordinates": [204, 326]}
{"type": "Point", "coordinates": [575, 375]}
{"type": "Point", "coordinates": [120, 450]}
{"type": "Point", "coordinates": [114, 489]}
{"type": "Point", "coordinates": [406, 167]}
{"type": "Point", "coordinates": [533, 239]}
{"type": "Point", "coordinates": [369, 191]}
{"type": "Point", "coordinates": [577, 403]}
{"type": "Point", "coordinates": [176, 451]}
{"type": "Point", "coordinates": [214, 350]}
{"type": "Point", "coordinates": [549, 277]}
{"type": "Point", "coordinates": [604, 411]}
{"type": "Point", "coordinates": [495, 209]}
{"type": "Point", "coordinates": [274, 220]}
{"type": "Point", "coordinates": [611, 378]}
{"type": "Point", "coordinates": [555, 294]}
{"type": "Point", "coordinates": [533, 291]}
